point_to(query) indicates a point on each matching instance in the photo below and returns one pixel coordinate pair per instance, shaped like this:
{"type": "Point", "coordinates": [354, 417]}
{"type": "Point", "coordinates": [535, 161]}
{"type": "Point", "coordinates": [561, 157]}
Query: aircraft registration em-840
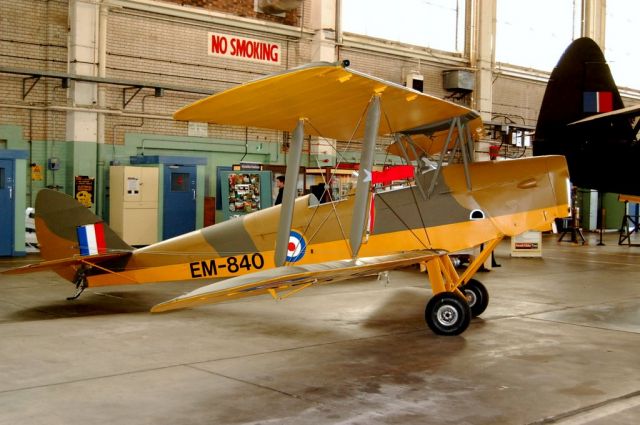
{"type": "Point", "coordinates": [445, 205]}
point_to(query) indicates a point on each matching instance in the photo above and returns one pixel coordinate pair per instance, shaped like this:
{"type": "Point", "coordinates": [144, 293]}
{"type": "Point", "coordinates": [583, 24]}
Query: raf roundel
{"type": "Point", "coordinates": [297, 247]}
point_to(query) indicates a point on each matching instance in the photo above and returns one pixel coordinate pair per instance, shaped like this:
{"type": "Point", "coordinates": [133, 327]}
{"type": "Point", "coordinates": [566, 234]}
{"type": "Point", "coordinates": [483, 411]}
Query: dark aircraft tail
{"type": "Point", "coordinates": [600, 153]}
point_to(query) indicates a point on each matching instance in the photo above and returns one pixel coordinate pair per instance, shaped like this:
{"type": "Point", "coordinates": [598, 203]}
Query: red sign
{"type": "Point", "coordinates": [234, 47]}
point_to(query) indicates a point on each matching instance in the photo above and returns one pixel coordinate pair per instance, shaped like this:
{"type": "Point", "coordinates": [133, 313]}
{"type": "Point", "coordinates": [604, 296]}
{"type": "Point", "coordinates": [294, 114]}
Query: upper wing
{"type": "Point", "coordinates": [289, 277]}
{"type": "Point", "coordinates": [330, 97]}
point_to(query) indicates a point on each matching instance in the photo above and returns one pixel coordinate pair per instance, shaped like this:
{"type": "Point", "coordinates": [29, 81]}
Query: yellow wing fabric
{"type": "Point", "coordinates": [330, 97]}
{"type": "Point", "coordinates": [290, 277]}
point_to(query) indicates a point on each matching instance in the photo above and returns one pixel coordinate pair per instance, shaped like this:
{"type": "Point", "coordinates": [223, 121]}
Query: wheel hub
{"type": "Point", "coordinates": [447, 315]}
{"type": "Point", "coordinates": [471, 297]}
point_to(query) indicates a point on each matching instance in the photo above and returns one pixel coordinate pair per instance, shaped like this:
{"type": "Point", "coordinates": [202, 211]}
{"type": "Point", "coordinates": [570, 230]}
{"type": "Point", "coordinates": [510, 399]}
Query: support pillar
{"type": "Point", "coordinates": [483, 45]}
{"type": "Point", "coordinates": [593, 20]}
{"type": "Point", "coordinates": [323, 23]}
{"type": "Point", "coordinates": [82, 126]}
{"type": "Point", "coordinates": [87, 54]}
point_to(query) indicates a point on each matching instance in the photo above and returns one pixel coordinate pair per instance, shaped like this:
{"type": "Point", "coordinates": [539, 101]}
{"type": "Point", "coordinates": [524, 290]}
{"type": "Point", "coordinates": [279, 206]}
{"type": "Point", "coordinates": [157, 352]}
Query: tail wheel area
{"type": "Point", "coordinates": [447, 314]}
{"type": "Point", "coordinates": [477, 296]}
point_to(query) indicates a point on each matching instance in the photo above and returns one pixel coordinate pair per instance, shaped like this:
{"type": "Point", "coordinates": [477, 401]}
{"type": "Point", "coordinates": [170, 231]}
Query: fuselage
{"type": "Point", "coordinates": [505, 198]}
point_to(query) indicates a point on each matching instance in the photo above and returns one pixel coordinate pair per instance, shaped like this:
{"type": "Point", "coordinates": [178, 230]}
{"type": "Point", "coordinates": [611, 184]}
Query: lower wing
{"type": "Point", "coordinates": [292, 278]}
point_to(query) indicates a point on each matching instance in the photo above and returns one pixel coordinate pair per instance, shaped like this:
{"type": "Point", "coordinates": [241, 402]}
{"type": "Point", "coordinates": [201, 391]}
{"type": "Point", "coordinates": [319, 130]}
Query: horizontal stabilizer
{"type": "Point", "coordinates": [290, 277]}
{"type": "Point", "coordinates": [628, 112]}
{"type": "Point", "coordinates": [65, 262]}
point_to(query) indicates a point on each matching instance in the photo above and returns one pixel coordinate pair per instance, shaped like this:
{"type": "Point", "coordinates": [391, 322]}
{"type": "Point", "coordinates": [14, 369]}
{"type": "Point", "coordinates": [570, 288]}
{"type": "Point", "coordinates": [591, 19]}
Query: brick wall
{"type": "Point", "coordinates": [33, 36]}
{"type": "Point", "coordinates": [394, 68]}
{"type": "Point", "coordinates": [518, 99]}
{"type": "Point", "coordinates": [244, 8]}
{"type": "Point", "coordinates": [175, 52]}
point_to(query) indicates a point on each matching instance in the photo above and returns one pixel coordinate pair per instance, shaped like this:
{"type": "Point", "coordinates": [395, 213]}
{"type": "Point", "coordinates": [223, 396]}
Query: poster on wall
{"type": "Point", "coordinates": [84, 190]}
{"type": "Point", "coordinates": [244, 192]}
{"type": "Point", "coordinates": [36, 172]}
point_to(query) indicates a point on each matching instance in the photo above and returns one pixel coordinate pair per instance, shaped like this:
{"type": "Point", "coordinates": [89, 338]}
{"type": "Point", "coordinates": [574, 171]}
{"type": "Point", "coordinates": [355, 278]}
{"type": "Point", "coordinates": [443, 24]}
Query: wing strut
{"type": "Point", "coordinates": [366, 163]}
{"type": "Point", "coordinates": [445, 146]}
{"type": "Point", "coordinates": [406, 158]}
{"type": "Point", "coordinates": [464, 142]}
{"type": "Point", "coordinates": [289, 194]}
{"type": "Point", "coordinates": [465, 151]}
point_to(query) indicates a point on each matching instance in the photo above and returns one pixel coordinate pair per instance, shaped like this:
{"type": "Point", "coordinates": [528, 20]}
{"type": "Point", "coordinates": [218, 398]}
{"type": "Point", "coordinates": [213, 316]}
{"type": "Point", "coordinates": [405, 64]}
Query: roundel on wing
{"type": "Point", "coordinates": [297, 247]}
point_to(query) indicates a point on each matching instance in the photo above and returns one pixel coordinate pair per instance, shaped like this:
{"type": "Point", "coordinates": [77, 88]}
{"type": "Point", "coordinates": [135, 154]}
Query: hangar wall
{"type": "Point", "coordinates": [517, 98]}
{"type": "Point", "coordinates": [34, 36]}
{"type": "Point", "coordinates": [393, 64]}
{"type": "Point", "coordinates": [164, 43]}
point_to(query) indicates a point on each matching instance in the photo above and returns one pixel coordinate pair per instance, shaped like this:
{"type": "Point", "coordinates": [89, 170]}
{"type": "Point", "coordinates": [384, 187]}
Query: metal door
{"type": "Point", "coordinates": [179, 204]}
{"type": "Point", "coordinates": [7, 206]}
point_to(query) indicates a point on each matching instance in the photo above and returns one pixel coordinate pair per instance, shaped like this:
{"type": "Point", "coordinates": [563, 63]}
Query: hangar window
{"type": "Point", "coordinates": [438, 24]}
{"type": "Point", "coordinates": [620, 49]}
{"type": "Point", "coordinates": [535, 34]}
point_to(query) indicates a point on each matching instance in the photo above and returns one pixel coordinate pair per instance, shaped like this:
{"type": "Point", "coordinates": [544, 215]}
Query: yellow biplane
{"type": "Point", "coordinates": [447, 202]}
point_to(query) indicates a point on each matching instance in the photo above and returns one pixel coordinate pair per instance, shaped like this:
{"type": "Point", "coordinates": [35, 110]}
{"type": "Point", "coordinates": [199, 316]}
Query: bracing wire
{"type": "Point", "coordinates": [327, 190]}
{"type": "Point", "coordinates": [415, 200]}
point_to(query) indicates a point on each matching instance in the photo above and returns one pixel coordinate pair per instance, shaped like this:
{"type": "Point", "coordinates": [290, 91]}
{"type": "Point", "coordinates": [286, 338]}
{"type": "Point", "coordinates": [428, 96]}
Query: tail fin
{"type": "Point", "coordinates": [580, 86]}
{"type": "Point", "coordinates": [580, 79]}
{"type": "Point", "coordinates": [58, 217]}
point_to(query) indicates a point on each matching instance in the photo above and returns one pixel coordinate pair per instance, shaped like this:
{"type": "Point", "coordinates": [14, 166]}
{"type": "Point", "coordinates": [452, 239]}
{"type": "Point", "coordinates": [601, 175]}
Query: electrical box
{"type": "Point", "coordinates": [53, 163]}
{"type": "Point", "coordinates": [459, 80]}
{"type": "Point", "coordinates": [133, 203]}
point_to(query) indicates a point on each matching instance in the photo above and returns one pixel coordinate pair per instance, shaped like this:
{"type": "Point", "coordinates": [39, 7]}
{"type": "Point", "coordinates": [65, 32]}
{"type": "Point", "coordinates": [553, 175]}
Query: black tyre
{"type": "Point", "coordinates": [447, 314]}
{"type": "Point", "coordinates": [477, 296]}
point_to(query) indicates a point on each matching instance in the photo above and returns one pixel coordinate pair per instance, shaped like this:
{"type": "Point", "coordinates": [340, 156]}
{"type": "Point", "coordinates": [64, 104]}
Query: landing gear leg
{"type": "Point", "coordinates": [444, 314]}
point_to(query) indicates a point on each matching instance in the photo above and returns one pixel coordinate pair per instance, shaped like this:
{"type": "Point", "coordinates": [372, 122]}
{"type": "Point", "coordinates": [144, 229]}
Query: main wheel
{"type": "Point", "coordinates": [447, 314]}
{"type": "Point", "coordinates": [477, 296]}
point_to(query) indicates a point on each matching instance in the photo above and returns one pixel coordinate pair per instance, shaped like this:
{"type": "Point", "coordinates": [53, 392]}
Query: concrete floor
{"type": "Point", "coordinates": [559, 343]}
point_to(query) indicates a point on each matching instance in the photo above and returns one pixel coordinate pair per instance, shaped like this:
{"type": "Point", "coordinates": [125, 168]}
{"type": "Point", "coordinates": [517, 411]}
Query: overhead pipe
{"type": "Point", "coordinates": [338, 22]}
{"type": "Point", "coordinates": [80, 109]}
{"type": "Point", "coordinates": [103, 11]}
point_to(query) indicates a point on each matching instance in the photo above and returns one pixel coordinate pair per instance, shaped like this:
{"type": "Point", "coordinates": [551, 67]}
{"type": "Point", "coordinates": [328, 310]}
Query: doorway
{"type": "Point", "coordinates": [179, 203]}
